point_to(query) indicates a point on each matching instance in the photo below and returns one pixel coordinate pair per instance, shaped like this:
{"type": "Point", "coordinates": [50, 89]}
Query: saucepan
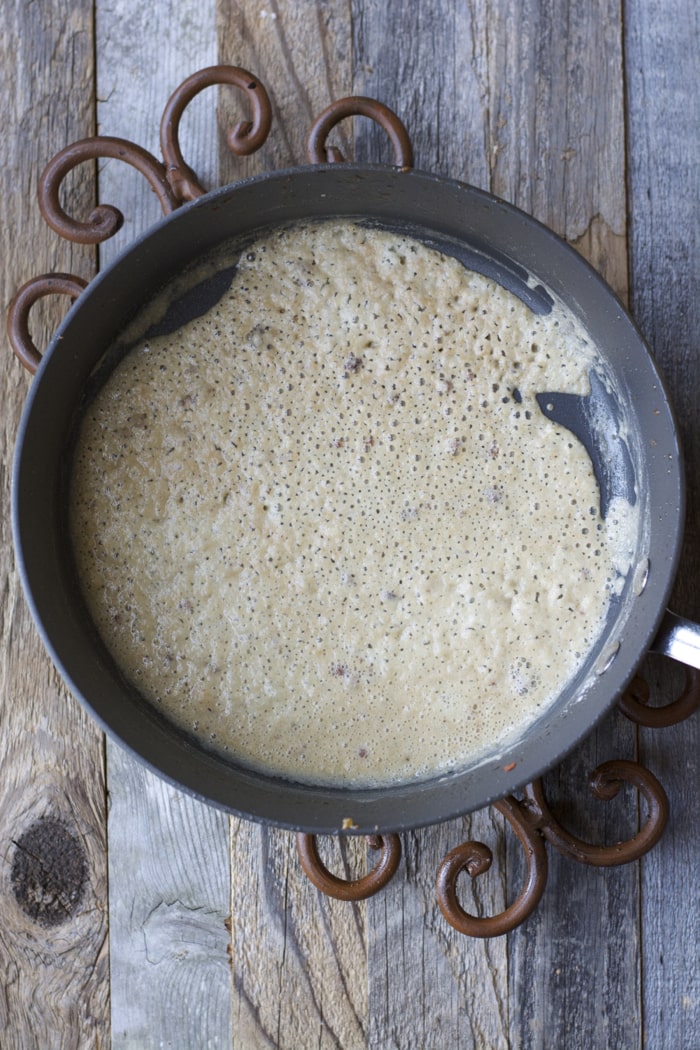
{"type": "Point", "coordinates": [626, 423]}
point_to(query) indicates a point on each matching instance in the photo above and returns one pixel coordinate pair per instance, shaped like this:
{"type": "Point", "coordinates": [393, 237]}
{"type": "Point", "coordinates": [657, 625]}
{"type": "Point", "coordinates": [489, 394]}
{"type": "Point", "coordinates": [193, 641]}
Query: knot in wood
{"type": "Point", "coordinates": [49, 872]}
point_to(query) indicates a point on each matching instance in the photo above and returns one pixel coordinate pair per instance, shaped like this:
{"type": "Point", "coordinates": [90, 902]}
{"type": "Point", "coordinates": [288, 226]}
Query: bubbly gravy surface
{"type": "Point", "coordinates": [326, 526]}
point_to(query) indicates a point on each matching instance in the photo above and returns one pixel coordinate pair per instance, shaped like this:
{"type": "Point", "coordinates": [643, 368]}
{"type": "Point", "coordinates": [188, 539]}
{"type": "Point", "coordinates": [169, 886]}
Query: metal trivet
{"type": "Point", "coordinates": [529, 815]}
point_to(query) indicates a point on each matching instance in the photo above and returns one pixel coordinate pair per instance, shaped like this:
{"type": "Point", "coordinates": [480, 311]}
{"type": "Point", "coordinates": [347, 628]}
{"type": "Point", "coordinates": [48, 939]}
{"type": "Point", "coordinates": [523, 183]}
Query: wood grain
{"type": "Point", "coordinates": [301, 52]}
{"type": "Point", "coordinates": [583, 940]}
{"type": "Point", "coordinates": [662, 63]}
{"type": "Point", "coordinates": [585, 115]}
{"type": "Point", "coordinates": [169, 911]}
{"type": "Point", "coordinates": [53, 958]}
{"type": "Point", "coordinates": [556, 133]}
{"type": "Point", "coordinates": [511, 106]}
{"type": "Point", "coordinates": [169, 861]}
{"type": "Point", "coordinates": [144, 53]}
{"type": "Point", "coordinates": [299, 959]}
{"type": "Point", "coordinates": [517, 98]}
{"type": "Point", "coordinates": [430, 987]}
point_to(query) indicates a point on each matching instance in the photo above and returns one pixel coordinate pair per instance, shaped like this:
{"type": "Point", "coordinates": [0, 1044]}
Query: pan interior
{"type": "Point", "coordinates": [488, 237]}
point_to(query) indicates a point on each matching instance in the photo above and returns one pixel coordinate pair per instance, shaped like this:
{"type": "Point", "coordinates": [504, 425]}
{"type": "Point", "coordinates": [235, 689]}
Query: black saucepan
{"type": "Point", "coordinates": [626, 423]}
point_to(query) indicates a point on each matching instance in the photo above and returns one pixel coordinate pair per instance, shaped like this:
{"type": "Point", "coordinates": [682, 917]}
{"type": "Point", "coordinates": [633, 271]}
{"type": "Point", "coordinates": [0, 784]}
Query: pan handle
{"type": "Point", "coordinates": [679, 639]}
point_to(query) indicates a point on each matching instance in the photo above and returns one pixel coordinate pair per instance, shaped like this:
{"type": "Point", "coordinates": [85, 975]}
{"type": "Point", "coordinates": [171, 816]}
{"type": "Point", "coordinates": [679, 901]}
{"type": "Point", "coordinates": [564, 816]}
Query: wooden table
{"type": "Point", "coordinates": [136, 917]}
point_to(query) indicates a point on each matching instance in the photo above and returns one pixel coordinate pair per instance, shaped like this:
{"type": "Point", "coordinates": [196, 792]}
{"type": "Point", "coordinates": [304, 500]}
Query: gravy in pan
{"type": "Point", "coordinates": [326, 527]}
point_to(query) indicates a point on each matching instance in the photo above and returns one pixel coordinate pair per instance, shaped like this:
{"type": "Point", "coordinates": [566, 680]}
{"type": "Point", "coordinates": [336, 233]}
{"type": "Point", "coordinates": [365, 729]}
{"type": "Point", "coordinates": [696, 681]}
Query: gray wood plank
{"type": "Point", "coordinates": [557, 137]}
{"type": "Point", "coordinates": [169, 914]}
{"type": "Point", "coordinates": [299, 958]}
{"type": "Point", "coordinates": [514, 98]}
{"type": "Point", "coordinates": [560, 92]}
{"type": "Point", "coordinates": [575, 965]}
{"type": "Point", "coordinates": [301, 50]}
{"type": "Point", "coordinates": [54, 982]}
{"type": "Point", "coordinates": [662, 61]}
{"type": "Point", "coordinates": [422, 61]}
{"type": "Point", "coordinates": [143, 53]}
{"type": "Point", "coordinates": [429, 986]}
{"type": "Point", "coordinates": [527, 102]}
{"type": "Point", "coordinates": [169, 855]}
{"type": "Point", "coordinates": [553, 77]}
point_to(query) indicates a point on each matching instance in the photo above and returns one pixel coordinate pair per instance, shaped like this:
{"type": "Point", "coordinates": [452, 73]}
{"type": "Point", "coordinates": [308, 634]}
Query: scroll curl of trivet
{"type": "Point", "coordinates": [475, 858]}
{"type": "Point", "coordinates": [530, 817]}
{"type": "Point", "coordinates": [634, 703]}
{"type": "Point", "coordinates": [389, 848]}
{"type": "Point", "coordinates": [534, 823]}
{"type": "Point", "coordinates": [172, 180]}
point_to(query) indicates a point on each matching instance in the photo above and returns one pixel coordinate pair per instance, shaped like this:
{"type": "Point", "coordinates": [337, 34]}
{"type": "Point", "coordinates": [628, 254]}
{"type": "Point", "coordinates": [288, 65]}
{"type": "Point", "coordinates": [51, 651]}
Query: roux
{"type": "Point", "coordinates": [326, 527]}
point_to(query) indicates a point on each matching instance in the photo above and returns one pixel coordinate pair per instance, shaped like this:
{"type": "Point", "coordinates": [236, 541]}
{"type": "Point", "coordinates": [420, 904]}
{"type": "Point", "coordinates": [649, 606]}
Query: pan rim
{"type": "Point", "coordinates": [368, 802]}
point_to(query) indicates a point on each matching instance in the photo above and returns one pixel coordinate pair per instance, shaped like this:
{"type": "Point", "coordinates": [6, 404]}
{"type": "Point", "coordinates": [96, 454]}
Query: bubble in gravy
{"type": "Point", "coordinates": [326, 527]}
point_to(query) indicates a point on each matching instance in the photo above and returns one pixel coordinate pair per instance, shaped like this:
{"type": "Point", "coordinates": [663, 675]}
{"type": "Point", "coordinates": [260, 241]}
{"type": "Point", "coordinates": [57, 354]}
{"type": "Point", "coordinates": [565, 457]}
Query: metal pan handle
{"type": "Point", "coordinates": [679, 639]}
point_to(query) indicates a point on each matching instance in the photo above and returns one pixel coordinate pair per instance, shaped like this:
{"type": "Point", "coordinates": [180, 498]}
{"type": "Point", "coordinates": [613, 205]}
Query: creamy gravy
{"type": "Point", "coordinates": [326, 526]}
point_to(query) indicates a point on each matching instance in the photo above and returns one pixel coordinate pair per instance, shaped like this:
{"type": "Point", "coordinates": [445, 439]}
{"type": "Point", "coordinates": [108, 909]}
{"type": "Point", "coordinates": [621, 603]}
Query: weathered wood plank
{"type": "Point", "coordinates": [662, 61]}
{"type": "Point", "coordinates": [429, 986]}
{"type": "Point", "coordinates": [527, 102]}
{"type": "Point", "coordinates": [298, 956]}
{"type": "Point", "coordinates": [556, 133]}
{"type": "Point", "coordinates": [54, 989]}
{"type": "Point", "coordinates": [422, 61]}
{"type": "Point", "coordinates": [144, 52]}
{"type": "Point", "coordinates": [301, 52]}
{"type": "Point", "coordinates": [575, 967]}
{"type": "Point", "coordinates": [169, 861]}
{"type": "Point", "coordinates": [514, 98]}
{"type": "Point", "coordinates": [169, 909]}
{"type": "Point", "coordinates": [299, 959]}
{"type": "Point", "coordinates": [554, 76]}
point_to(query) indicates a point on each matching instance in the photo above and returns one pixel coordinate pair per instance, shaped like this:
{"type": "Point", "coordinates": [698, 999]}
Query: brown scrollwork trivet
{"type": "Point", "coordinates": [389, 847]}
{"type": "Point", "coordinates": [18, 315]}
{"type": "Point", "coordinates": [105, 220]}
{"type": "Point", "coordinates": [357, 106]}
{"type": "Point", "coordinates": [172, 180]}
{"type": "Point", "coordinates": [243, 139]}
{"type": "Point", "coordinates": [634, 702]}
{"type": "Point", "coordinates": [475, 858]}
{"type": "Point", "coordinates": [533, 821]}
{"type": "Point", "coordinates": [605, 783]}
